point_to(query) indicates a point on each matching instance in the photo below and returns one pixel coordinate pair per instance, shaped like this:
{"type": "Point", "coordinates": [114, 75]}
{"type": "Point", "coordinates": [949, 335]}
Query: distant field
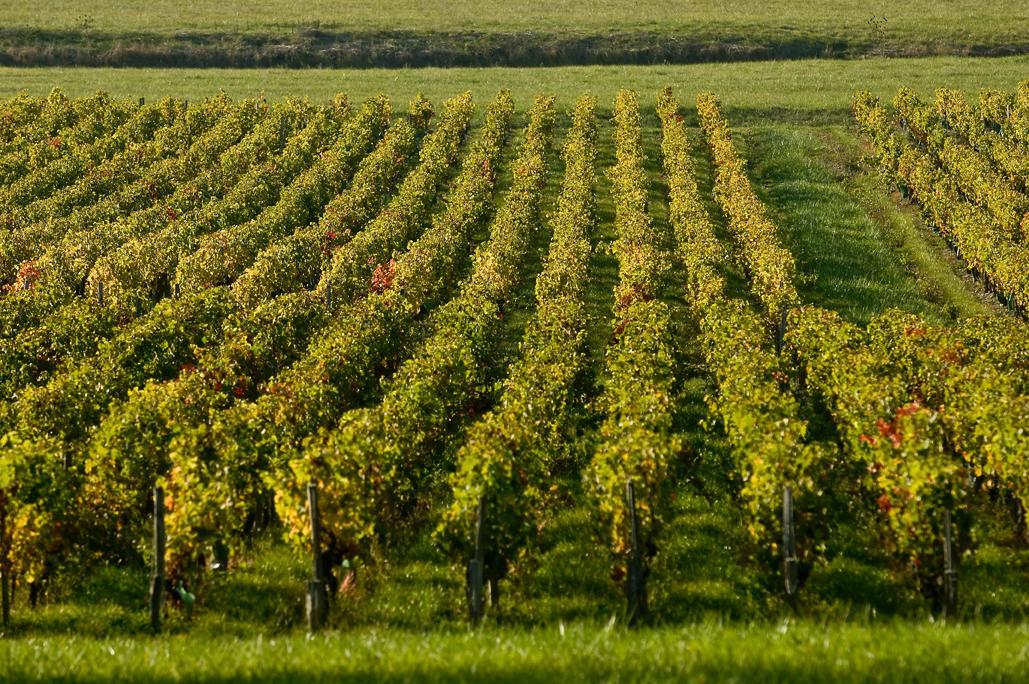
{"type": "Point", "coordinates": [810, 91]}
{"type": "Point", "coordinates": [470, 32]}
{"type": "Point", "coordinates": [841, 17]}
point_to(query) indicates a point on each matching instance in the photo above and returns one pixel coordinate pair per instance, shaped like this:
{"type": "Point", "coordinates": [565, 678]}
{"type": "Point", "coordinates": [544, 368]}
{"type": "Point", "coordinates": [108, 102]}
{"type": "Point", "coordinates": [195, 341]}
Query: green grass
{"type": "Point", "coordinates": [812, 91]}
{"type": "Point", "coordinates": [858, 261]}
{"type": "Point", "coordinates": [958, 17]}
{"type": "Point", "coordinates": [475, 32]}
{"type": "Point", "coordinates": [779, 652]}
{"type": "Point", "coordinates": [921, 252]}
{"type": "Point", "coordinates": [560, 620]}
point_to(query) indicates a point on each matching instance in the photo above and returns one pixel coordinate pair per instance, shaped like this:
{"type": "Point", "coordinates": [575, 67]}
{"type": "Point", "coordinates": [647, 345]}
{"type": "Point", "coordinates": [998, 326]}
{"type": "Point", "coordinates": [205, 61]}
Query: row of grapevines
{"type": "Point", "coordinates": [1011, 158]}
{"type": "Point", "coordinates": [86, 165]}
{"type": "Point", "coordinates": [62, 269]}
{"type": "Point", "coordinates": [122, 182]}
{"type": "Point", "coordinates": [638, 440]}
{"type": "Point", "coordinates": [897, 438]}
{"type": "Point", "coordinates": [1009, 112]}
{"type": "Point", "coordinates": [35, 120]}
{"type": "Point", "coordinates": [761, 419]}
{"type": "Point", "coordinates": [508, 456]}
{"type": "Point", "coordinates": [974, 175]}
{"type": "Point", "coordinates": [20, 111]}
{"type": "Point", "coordinates": [375, 462]}
{"type": "Point", "coordinates": [977, 373]}
{"type": "Point", "coordinates": [78, 160]}
{"type": "Point", "coordinates": [289, 264]}
{"type": "Point", "coordinates": [153, 345]}
{"type": "Point", "coordinates": [350, 268]}
{"type": "Point", "coordinates": [50, 423]}
{"type": "Point", "coordinates": [130, 448]}
{"type": "Point", "coordinates": [770, 266]}
{"type": "Point", "coordinates": [97, 116]}
{"type": "Point", "coordinates": [377, 458]}
{"type": "Point", "coordinates": [225, 254]}
{"type": "Point", "coordinates": [150, 261]}
{"type": "Point", "coordinates": [341, 362]}
{"type": "Point", "coordinates": [254, 345]}
{"type": "Point", "coordinates": [980, 240]}
{"type": "Point", "coordinates": [160, 179]}
{"type": "Point", "coordinates": [72, 332]}
{"type": "Point", "coordinates": [75, 329]}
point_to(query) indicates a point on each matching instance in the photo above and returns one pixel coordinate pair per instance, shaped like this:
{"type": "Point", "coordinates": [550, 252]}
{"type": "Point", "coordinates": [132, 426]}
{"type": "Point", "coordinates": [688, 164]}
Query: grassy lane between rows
{"type": "Point", "coordinates": [858, 252]}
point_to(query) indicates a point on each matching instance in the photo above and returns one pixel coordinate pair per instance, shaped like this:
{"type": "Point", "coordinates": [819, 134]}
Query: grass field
{"type": "Point", "coordinates": [955, 17]}
{"type": "Point", "coordinates": [522, 33]}
{"type": "Point", "coordinates": [809, 91]}
{"type": "Point", "coordinates": [788, 651]}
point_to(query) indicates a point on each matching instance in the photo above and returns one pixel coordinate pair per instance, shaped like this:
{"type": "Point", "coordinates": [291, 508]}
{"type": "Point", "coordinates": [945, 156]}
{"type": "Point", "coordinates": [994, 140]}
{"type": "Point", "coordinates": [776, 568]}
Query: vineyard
{"type": "Point", "coordinates": [472, 335]}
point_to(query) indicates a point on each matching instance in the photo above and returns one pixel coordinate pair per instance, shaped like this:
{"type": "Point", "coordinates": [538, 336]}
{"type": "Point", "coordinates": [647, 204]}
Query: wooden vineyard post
{"type": "Point", "coordinates": [157, 578]}
{"type": "Point", "coordinates": [142, 101]}
{"type": "Point", "coordinates": [317, 599]}
{"type": "Point", "coordinates": [950, 574]}
{"type": "Point", "coordinates": [328, 297]}
{"type": "Point", "coordinates": [100, 293]}
{"type": "Point", "coordinates": [475, 570]}
{"type": "Point", "coordinates": [494, 593]}
{"type": "Point", "coordinates": [5, 594]}
{"type": "Point", "coordinates": [789, 545]}
{"type": "Point", "coordinates": [636, 586]}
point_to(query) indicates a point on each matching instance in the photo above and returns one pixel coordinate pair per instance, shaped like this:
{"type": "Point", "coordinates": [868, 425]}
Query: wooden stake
{"type": "Point", "coordinates": [494, 593]}
{"type": "Point", "coordinates": [317, 599]}
{"type": "Point", "coordinates": [475, 570]}
{"type": "Point", "coordinates": [157, 578]}
{"type": "Point", "coordinates": [950, 574]}
{"type": "Point", "coordinates": [100, 293]}
{"type": "Point", "coordinates": [5, 594]}
{"type": "Point", "coordinates": [636, 586]}
{"type": "Point", "coordinates": [789, 544]}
